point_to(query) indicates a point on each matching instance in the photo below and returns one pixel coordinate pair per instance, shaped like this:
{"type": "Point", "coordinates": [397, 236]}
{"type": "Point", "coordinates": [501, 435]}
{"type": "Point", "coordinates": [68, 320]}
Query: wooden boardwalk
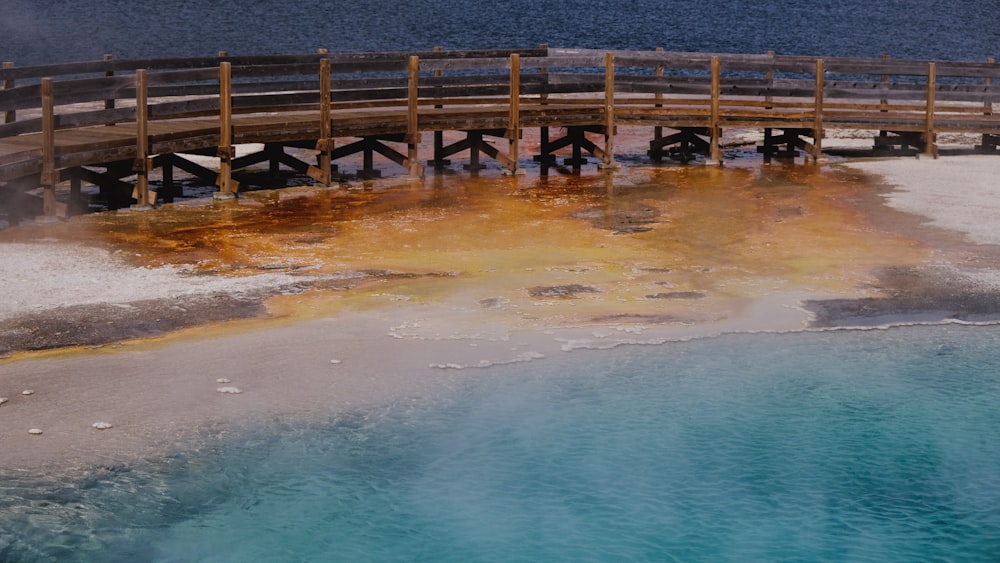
{"type": "Point", "coordinates": [105, 121]}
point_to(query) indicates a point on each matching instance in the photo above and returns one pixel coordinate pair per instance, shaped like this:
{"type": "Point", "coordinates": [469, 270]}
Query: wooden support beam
{"type": "Point", "coordinates": [715, 130]}
{"type": "Point", "coordinates": [117, 192]}
{"type": "Point", "coordinates": [368, 146]}
{"type": "Point", "coordinates": [688, 140]}
{"type": "Point", "coordinates": [227, 186]}
{"type": "Point", "coordinates": [142, 164]}
{"type": "Point", "coordinates": [790, 139]}
{"type": "Point", "coordinates": [290, 161]}
{"type": "Point", "coordinates": [458, 146]}
{"type": "Point", "coordinates": [167, 190]}
{"type": "Point", "coordinates": [899, 142]}
{"type": "Point", "coordinates": [475, 143]}
{"type": "Point", "coordinates": [76, 203]}
{"type": "Point", "coordinates": [191, 167]}
{"type": "Point", "coordinates": [545, 151]}
{"type": "Point", "coordinates": [930, 136]}
{"type": "Point", "coordinates": [574, 138]}
{"type": "Point", "coordinates": [274, 152]}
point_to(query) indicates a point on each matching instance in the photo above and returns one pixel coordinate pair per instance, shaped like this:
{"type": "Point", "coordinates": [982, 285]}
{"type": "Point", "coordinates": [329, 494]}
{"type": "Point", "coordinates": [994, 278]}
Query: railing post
{"type": "Point", "coordinates": [10, 116]}
{"type": "Point", "coordinates": [543, 98]}
{"type": "Point", "coordinates": [544, 72]}
{"type": "Point", "coordinates": [818, 112]}
{"type": "Point", "coordinates": [988, 104]}
{"type": "Point", "coordinates": [769, 98]}
{"type": "Point", "coordinates": [884, 102]}
{"type": "Point", "coordinates": [609, 111]}
{"type": "Point", "coordinates": [987, 141]}
{"type": "Point", "coordinates": [50, 176]}
{"type": "Point", "coordinates": [324, 172]}
{"type": "Point", "coordinates": [658, 130]}
{"type": "Point", "coordinates": [416, 170]}
{"type": "Point", "coordinates": [930, 137]}
{"type": "Point", "coordinates": [514, 118]}
{"type": "Point", "coordinates": [109, 103]}
{"type": "Point", "coordinates": [715, 129]}
{"type": "Point", "coordinates": [141, 164]}
{"type": "Point", "coordinates": [227, 186]}
{"type": "Point", "coordinates": [439, 160]}
{"type": "Point", "coordinates": [769, 77]}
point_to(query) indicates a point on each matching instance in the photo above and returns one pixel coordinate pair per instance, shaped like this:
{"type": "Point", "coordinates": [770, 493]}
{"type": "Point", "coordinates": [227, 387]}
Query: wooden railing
{"type": "Point", "coordinates": [136, 109]}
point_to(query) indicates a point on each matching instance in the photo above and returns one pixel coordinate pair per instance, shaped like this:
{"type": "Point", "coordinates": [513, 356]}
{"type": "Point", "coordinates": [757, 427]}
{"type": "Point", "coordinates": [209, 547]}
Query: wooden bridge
{"type": "Point", "coordinates": [105, 121]}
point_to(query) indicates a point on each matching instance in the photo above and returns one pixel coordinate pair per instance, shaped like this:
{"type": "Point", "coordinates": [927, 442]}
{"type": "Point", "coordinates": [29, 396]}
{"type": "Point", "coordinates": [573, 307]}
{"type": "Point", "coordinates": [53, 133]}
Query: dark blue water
{"type": "Point", "coordinates": [847, 446]}
{"type": "Point", "coordinates": [36, 32]}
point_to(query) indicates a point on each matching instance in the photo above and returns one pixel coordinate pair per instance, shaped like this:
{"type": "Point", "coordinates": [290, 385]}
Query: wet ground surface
{"type": "Point", "coordinates": [911, 295]}
{"type": "Point", "coordinates": [644, 244]}
{"type": "Point", "coordinates": [95, 325]}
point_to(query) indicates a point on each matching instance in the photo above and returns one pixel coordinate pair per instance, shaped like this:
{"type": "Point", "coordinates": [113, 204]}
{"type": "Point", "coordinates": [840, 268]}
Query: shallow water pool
{"type": "Point", "coordinates": [825, 446]}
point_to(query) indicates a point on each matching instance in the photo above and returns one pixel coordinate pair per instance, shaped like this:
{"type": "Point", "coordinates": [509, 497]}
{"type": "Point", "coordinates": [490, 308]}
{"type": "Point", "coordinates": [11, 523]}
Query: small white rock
{"type": "Point", "coordinates": [3, 400]}
{"type": "Point", "coordinates": [35, 431]}
{"type": "Point", "coordinates": [101, 425]}
{"type": "Point", "coordinates": [28, 392]}
{"type": "Point", "coordinates": [223, 380]}
{"type": "Point", "coordinates": [334, 361]}
{"type": "Point", "coordinates": [233, 390]}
